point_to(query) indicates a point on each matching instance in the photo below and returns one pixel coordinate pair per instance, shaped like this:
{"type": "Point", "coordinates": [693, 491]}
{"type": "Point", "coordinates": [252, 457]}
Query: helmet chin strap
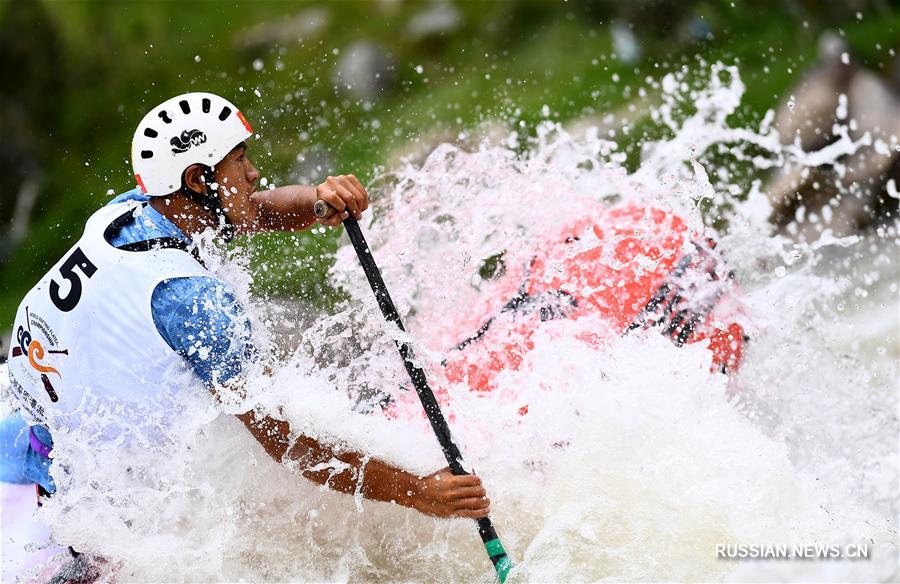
{"type": "Point", "coordinates": [210, 201]}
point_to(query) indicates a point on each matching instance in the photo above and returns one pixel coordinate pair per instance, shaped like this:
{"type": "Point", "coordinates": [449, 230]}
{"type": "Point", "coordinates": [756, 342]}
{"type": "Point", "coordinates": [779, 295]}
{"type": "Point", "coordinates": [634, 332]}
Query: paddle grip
{"type": "Point", "coordinates": [323, 210]}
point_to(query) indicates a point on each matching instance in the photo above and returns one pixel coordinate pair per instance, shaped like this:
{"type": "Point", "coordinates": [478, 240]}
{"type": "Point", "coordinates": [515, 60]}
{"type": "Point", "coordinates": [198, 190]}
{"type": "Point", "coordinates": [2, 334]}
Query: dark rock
{"type": "Point", "coordinates": [853, 193]}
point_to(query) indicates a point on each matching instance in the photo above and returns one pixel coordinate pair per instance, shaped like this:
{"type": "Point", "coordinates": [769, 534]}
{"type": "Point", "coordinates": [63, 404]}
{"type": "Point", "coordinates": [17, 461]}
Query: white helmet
{"type": "Point", "coordinates": [194, 128]}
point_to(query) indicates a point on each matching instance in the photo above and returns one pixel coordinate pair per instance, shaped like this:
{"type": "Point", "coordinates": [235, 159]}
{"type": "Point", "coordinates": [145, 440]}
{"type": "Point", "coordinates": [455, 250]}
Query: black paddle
{"type": "Point", "coordinates": [495, 551]}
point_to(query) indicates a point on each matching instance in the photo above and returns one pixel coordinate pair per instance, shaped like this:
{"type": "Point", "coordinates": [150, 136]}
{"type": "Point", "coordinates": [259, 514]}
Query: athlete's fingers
{"type": "Point", "coordinates": [472, 503]}
{"type": "Point", "coordinates": [358, 194]}
{"type": "Point", "coordinates": [460, 481]}
{"type": "Point", "coordinates": [328, 194]}
{"type": "Point", "coordinates": [342, 182]}
{"type": "Point", "coordinates": [348, 198]}
{"type": "Point", "coordinates": [361, 189]}
{"type": "Point", "coordinates": [472, 513]}
{"type": "Point", "coordinates": [467, 492]}
{"type": "Point", "coordinates": [334, 220]}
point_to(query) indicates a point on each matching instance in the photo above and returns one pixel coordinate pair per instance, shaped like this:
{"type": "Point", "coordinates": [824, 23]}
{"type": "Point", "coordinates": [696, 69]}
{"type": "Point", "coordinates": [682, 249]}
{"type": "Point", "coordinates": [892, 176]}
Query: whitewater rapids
{"type": "Point", "coordinates": [633, 462]}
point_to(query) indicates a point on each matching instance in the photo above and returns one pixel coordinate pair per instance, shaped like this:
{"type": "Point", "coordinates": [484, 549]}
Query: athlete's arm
{"type": "Point", "coordinates": [202, 321]}
{"type": "Point", "coordinates": [290, 208]}
{"type": "Point", "coordinates": [440, 494]}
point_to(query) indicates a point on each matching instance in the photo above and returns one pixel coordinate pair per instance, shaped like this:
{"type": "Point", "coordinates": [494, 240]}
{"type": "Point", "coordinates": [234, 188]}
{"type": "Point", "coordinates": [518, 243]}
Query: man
{"type": "Point", "coordinates": [116, 324]}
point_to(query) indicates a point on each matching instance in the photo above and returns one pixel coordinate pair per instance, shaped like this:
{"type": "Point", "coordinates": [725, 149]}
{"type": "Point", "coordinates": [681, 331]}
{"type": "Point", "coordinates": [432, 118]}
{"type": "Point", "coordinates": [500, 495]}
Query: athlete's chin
{"type": "Point", "coordinates": [247, 224]}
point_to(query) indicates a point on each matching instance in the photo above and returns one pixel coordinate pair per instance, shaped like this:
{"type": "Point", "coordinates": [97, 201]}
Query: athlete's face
{"type": "Point", "coordinates": [236, 177]}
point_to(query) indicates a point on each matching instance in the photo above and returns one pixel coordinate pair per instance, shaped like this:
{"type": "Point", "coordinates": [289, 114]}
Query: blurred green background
{"type": "Point", "coordinates": [78, 76]}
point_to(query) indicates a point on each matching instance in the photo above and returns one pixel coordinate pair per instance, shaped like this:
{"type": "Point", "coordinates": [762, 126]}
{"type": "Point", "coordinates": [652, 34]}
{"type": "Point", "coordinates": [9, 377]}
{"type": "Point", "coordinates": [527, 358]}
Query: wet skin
{"type": "Point", "coordinates": [290, 208]}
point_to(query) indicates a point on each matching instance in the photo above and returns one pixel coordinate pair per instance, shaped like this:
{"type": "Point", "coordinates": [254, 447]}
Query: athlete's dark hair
{"type": "Point", "coordinates": [209, 200]}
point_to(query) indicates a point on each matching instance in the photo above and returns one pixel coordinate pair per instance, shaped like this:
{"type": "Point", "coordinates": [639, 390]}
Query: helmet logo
{"type": "Point", "coordinates": [187, 139]}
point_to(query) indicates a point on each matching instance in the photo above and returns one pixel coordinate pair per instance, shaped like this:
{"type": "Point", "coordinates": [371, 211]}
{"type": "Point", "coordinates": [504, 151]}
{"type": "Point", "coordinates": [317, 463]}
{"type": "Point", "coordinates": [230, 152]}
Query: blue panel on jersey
{"type": "Point", "coordinates": [198, 317]}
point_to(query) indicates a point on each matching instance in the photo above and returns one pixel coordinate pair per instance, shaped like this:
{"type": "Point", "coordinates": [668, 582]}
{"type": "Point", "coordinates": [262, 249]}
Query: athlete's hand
{"type": "Point", "coordinates": [443, 494]}
{"type": "Point", "coordinates": [346, 194]}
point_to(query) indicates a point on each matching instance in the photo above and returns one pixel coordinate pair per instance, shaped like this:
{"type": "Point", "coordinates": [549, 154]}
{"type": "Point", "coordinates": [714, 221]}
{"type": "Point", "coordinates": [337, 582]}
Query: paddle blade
{"type": "Point", "coordinates": [501, 561]}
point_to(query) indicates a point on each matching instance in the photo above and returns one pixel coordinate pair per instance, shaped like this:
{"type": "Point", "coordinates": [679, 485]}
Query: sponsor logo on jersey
{"type": "Point", "coordinates": [34, 351]}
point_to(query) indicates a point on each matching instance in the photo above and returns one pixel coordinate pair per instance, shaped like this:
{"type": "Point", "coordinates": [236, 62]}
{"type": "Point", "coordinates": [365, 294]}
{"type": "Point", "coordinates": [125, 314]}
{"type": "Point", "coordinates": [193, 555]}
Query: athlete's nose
{"type": "Point", "coordinates": [252, 172]}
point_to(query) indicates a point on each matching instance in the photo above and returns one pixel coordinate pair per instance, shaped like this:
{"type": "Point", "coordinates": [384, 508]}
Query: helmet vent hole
{"type": "Point", "coordinates": [224, 113]}
{"type": "Point", "coordinates": [185, 106]}
{"type": "Point", "coordinates": [146, 154]}
{"type": "Point", "coordinates": [206, 105]}
{"type": "Point", "coordinates": [164, 116]}
{"type": "Point", "coordinates": [150, 133]}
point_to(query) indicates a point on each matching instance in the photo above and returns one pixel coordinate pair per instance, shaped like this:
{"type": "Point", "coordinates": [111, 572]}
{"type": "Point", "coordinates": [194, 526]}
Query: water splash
{"type": "Point", "coordinates": [633, 460]}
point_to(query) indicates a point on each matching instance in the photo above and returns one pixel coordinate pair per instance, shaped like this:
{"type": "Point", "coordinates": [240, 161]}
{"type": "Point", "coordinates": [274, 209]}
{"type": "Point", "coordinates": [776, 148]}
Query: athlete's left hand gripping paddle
{"type": "Point", "coordinates": [495, 551]}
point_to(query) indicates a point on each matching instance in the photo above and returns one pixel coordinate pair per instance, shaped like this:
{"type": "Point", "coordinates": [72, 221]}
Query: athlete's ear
{"type": "Point", "coordinates": [193, 179]}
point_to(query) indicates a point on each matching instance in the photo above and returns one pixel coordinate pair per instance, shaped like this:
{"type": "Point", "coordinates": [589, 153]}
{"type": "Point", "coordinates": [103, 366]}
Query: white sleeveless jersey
{"type": "Point", "coordinates": [85, 349]}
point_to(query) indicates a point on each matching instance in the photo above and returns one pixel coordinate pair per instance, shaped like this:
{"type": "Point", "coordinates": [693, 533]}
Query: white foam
{"type": "Point", "coordinates": [633, 461]}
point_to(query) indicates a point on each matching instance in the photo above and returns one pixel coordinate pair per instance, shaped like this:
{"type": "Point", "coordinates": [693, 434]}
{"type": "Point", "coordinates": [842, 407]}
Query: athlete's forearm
{"type": "Point", "coordinates": [288, 208]}
{"type": "Point", "coordinates": [352, 472]}
{"type": "Point", "coordinates": [342, 471]}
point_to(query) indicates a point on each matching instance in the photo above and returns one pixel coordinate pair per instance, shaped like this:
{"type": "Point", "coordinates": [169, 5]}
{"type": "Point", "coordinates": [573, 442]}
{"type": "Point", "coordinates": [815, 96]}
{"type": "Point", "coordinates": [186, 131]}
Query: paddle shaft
{"type": "Point", "coordinates": [438, 423]}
